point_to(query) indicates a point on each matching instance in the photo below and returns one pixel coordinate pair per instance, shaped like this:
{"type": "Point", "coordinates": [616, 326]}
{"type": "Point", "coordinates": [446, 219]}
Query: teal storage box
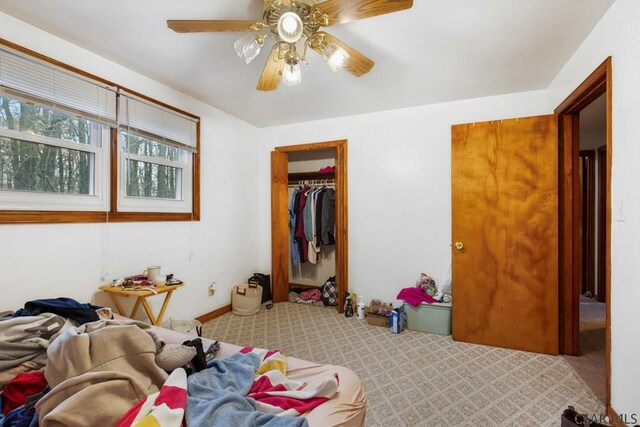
{"type": "Point", "coordinates": [432, 318]}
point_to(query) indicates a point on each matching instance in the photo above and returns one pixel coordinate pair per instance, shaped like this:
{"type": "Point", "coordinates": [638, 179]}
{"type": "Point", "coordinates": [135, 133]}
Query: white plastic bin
{"type": "Point", "coordinates": [432, 318]}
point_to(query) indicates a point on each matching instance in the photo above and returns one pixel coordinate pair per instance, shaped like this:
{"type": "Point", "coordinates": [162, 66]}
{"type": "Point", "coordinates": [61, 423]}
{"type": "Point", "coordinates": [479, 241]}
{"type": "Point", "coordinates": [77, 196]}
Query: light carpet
{"type": "Point", "coordinates": [590, 365]}
{"type": "Point", "coordinates": [419, 379]}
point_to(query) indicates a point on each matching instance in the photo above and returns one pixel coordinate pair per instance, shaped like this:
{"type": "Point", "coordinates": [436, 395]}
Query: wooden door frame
{"type": "Point", "coordinates": [598, 83]}
{"type": "Point", "coordinates": [588, 216]}
{"type": "Point", "coordinates": [602, 223]}
{"type": "Point", "coordinates": [280, 289]}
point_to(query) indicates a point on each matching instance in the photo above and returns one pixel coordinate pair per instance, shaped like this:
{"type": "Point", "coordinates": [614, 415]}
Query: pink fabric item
{"type": "Point", "coordinates": [328, 169]}
{"type": "Point", "coordinates": [415, 297]}
{"type": "Point", "coordinates": [311, 295]}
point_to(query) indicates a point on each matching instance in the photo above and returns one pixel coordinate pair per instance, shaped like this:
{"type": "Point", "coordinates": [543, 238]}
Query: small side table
{"type": "Point", "coordinates": [141, 296]}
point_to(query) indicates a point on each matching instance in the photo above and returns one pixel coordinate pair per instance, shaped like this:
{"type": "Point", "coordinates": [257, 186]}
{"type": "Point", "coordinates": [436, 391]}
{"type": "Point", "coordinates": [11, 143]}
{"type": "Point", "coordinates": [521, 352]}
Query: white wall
{"type": "Point", "coordinates": [39, 261]}
{"type": "Point", "coordinates": [399, 186]}
{"type": "Point", "coordinates": [618, 35]}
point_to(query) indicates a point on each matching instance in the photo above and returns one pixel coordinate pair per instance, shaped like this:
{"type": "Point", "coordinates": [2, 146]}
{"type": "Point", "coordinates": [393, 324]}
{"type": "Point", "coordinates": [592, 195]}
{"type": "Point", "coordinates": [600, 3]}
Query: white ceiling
{"type": "Point", "coordinates": [437, 51]}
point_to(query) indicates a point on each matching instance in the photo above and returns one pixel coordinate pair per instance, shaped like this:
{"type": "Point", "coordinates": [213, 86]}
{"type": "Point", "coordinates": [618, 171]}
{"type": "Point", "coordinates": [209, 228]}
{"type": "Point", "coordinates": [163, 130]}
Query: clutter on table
{"type": "Point", "coordinates": [145, 282]}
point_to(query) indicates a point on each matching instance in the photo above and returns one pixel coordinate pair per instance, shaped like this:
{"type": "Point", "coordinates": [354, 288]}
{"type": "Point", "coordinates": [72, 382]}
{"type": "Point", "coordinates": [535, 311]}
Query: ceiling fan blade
{"type": "Point", "coordinates": [355, 62]}
{"type": "Point", "coordinates": [204, 26]}
{"type": "Point", "coordinates": [270, 78]}
{"type": "Point", "coordinates": [342, 11]}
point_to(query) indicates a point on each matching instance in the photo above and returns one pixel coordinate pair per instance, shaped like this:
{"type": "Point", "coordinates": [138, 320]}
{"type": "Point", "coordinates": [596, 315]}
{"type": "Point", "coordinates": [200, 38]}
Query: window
{"type": "Point", "coordinates": [51, 160]}
{"type": "Point", "coordinates": [60, 131]}
{"type": "Point", "coordinates": [156, 147]}
{"type": "Point", "coordinates": [54, 133]}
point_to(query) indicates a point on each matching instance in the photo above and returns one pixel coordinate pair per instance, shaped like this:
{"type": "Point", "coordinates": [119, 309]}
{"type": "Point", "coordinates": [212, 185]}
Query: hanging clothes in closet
{"type": "Point", "coordinates": [311, 221]}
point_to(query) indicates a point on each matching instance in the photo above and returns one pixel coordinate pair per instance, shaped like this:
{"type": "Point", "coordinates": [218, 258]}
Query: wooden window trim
{"type": "Point", "coordinates": [65, 217]}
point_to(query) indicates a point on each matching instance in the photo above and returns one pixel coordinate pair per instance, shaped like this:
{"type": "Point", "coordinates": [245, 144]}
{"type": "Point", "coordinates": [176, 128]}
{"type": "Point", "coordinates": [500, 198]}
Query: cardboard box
{"type": "Point", "coordinates": [377, 320]}
{"type": "Point", "coordinates": [375, 308]}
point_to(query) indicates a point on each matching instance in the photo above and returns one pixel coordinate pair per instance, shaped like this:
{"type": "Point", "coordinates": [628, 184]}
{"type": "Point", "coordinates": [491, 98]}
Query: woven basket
{"type": "Point", "coordinates": [246, 299]}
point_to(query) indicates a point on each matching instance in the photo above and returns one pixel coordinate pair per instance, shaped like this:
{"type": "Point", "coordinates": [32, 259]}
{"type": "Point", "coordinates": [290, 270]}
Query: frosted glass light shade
{"type": "Point", "coordinates": [290, 27]}
{"type": "Point", "coordinates": [248, 47]}
{"type": "Point", "coordinates": [292, 75]}
{"type": "Point", "coordinates": [334, 57]}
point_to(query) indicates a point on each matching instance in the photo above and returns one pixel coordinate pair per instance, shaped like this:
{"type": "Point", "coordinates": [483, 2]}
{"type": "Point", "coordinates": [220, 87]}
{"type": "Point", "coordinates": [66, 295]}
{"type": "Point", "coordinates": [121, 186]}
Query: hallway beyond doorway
{"type": "Point", "coordinates": [590, 364]}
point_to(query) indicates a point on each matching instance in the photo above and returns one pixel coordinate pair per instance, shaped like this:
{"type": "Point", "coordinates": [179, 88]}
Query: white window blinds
{"type": "Point", "coordinates": [141, 117]}
{"type": "Point", "coordinates": [51, 86]}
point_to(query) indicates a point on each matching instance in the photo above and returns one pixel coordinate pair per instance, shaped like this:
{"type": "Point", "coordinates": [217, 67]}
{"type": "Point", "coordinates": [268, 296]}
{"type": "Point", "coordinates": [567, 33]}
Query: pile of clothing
{"type": "Point", "coordinates": [306, 296]}
{"type": "Point", "coordinates": [74, 372]}
{"type": "Point", "coordinates": [25, 336]}
{"type": "Point", "coordinates": [59, 357]}
{"type": "Point", "coordinates": [324, 296]}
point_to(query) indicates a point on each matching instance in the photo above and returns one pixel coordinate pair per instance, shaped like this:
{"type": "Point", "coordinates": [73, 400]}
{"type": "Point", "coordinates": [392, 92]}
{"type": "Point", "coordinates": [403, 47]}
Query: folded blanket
{"type": "Point", "coordinates": [164, 408]}
{"type": "Point", "coordinates": [217, 396]}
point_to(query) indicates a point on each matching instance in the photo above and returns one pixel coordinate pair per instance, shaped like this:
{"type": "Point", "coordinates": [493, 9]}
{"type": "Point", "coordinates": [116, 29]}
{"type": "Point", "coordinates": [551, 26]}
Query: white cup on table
{"type": "Point", "coordinates": [152, 272]}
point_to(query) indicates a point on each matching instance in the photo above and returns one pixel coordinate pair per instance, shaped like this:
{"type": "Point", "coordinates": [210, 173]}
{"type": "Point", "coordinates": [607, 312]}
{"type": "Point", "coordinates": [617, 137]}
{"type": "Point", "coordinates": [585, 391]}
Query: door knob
{"type": "Point", "coordinates": [459, 246]}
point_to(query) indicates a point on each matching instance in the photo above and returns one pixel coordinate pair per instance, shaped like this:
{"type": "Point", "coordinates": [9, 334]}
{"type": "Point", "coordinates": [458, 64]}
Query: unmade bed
{"type": "Point", "coordinates": [86, 367]}
{"type": "Point", "coordinates": [346, 408]}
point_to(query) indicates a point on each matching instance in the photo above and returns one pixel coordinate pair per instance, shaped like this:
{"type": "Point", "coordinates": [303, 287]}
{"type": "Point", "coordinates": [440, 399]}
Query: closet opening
{"type": "Point", "coordinates": [585, 119]}
{"type": "Point", "coordinates": [309, 223]}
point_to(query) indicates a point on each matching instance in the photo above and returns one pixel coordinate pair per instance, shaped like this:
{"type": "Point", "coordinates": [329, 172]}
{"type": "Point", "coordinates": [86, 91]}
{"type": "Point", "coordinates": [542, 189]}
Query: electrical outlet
{"type": "Point", "coordinates": [212, 289]}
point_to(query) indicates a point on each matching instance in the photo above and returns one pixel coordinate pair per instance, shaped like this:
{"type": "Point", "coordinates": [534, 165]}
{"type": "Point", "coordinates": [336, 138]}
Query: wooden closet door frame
{"type": "Point", "coordinates": [602, 223]}
{"type": "Point", "coordinates": [279, 263]}
{"type": "Point", "coordinates": [598, 83]}
{"type": "Point", "coordinates": [587, 267]}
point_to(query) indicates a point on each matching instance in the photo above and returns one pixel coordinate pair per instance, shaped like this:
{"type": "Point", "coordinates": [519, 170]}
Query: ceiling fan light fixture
{"type": "Point", "coordinates": [334, 57]}
{"type": "Point", "coordinates": [292, 75]}
{"type": "Point", "coordinates": [248, 47]}
{"type": "Point", "coordinates": [290, 27]}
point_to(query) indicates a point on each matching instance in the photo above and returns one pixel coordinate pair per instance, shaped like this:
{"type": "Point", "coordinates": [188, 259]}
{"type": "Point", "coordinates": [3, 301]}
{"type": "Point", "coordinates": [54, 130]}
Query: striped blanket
{"type": "Point", "coordinates": [164, 408]}
{"type": "Point", "coordinates": [276, 394]}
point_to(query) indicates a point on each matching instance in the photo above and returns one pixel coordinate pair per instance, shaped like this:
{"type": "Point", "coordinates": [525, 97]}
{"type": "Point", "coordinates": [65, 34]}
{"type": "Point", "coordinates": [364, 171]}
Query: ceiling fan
{"type": "Point", "coordinates": [295, 25]}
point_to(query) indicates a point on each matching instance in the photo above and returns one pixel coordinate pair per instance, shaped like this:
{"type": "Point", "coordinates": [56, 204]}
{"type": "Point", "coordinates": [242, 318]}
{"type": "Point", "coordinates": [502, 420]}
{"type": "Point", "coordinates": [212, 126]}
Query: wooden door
{"type": "Point", "coordinates": [280, 239]}
{"type": "Point", "coordinates": [505, 233]}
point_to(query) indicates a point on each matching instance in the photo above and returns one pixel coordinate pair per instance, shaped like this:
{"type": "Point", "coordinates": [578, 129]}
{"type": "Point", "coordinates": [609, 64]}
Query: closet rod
{"type": "Point", "coordinates": [331, 182]}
